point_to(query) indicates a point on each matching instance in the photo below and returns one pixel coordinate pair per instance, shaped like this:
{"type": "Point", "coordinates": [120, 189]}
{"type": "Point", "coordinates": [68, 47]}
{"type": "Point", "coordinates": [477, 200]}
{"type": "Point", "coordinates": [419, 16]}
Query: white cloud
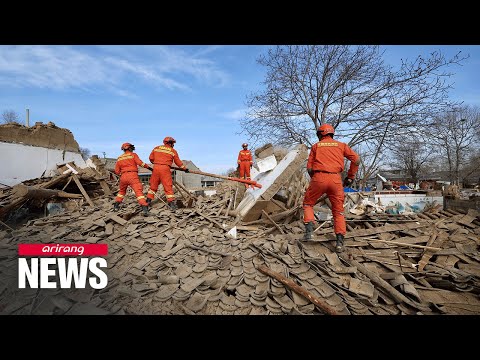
{"type": "Point", "coordinates": [177, 60]}
{"type": "Point", "coordinates": [58, 67]}
{"type": "Point", "coordinates": [107, 68]}
{"type": "Point", "coordinates": [147, 73]}
{"type": "Point", "coordinates": [235, 114]}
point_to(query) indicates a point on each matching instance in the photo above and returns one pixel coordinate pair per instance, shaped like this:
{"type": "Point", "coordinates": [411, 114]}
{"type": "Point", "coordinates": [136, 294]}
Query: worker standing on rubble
{"type": "Point", "coordinates": [162, 157]}
{"type": "Point", "coordinates": [127, 167]}
{"type": "Point", "coordinates": [245, 162]}
{"type": "Point", "coordinates": [325, 166]}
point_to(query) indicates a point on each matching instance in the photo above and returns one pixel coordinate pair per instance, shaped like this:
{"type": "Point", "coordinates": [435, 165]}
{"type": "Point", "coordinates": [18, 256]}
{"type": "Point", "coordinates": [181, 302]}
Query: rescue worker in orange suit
{"type": "Point", "coordinates": [325, 166]}
{"type": "Point", "coordinates": [127, 167]}
{"type": "Point", "coordinates": [162, 158]}
{"type": "Point", "coordinates": [245, 162]}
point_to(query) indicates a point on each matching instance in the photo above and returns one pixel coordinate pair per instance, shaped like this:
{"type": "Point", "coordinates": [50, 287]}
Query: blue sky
{"type": "Point", "coordinates": [107, 95]}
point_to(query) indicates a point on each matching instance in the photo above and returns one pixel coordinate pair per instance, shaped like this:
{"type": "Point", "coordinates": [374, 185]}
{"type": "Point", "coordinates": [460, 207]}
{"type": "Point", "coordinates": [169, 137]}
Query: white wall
{"type": "Point", "coordinates": [416, 200]}
{"type": "Point", "coordinates": [20, 162]}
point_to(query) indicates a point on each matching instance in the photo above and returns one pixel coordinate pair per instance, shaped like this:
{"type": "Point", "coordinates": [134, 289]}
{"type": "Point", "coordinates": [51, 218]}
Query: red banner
{"type": "Point", "coordinates": [62, 250]}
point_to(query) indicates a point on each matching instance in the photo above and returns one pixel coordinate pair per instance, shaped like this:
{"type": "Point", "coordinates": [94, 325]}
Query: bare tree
{"type": "Point", "coordinates": [349, 87]}
{"type": "Point", "coordinates": [232, 172]}
{"type": "Point", "coordinates": [455, 134]}
{"type": "Point", "coordinates": [85, 153]}
{"type": "Point", "coordinates": [370, 161]}
{"type": "Point", "coordinates": [472, 168]}
{"type": "Point", "coordinates": [411, 154]}
{"type": "Point", "coordinates": [10, 117]}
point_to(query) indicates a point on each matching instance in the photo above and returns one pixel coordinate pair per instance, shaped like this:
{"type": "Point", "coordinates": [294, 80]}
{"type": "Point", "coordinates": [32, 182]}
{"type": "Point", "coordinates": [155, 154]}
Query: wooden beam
{"type": "Point", "coordinates": [82, 190]}
{"type": "Point", "coordinates": [229, 206]}
{"type": "Point", "coordinates": [117, 219]}
{"type": "Point", "coordinates": [216, 223]}
{"type": "Point", "coordinates": [380, 229]}
{"type": "Point", "coordinates": [385, 286]}
{"type": "Point", "coordinates": [401, 244]}
{"type": "Point", "coordinates": [30, 192]}
{"type": "Point", "coordinates": [185, 189]}
{"type": "Point", "coordinates": [54, 181]}
{"type": "Point", "coordinates": [2, 223]}
{"type": "Point", "coordinates": [179, 190]}
{"type": "Point", "coordinates": [106, 189]}
{"type": "Point", "coordinates": [298, 289]}
{"type": "Point", "coordinates": [273, 222]}
{"type": "Point", "coordinates": [18, 202]}
{"type": "Point", "coordinates": [279, 203]}
{"type": "Point", "coordinates": [67, 183]}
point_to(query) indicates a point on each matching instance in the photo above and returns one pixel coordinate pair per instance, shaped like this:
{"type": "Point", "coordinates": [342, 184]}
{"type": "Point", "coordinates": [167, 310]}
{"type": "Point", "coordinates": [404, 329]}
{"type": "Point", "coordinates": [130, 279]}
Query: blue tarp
{"type": "Point", "coordinates": [349, 189]}
{"type": "Point", "coordinates": [367, 188]}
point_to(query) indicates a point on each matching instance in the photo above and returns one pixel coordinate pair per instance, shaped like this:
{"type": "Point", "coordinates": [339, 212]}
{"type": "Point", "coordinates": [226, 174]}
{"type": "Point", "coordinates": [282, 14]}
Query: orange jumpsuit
{"type": "Point", "coordinates": [326, 159]}
{"type": "Point", "coordinates": [162, 158]}
{"type": "Point", "coordinates": [245, 162]}
{"type": "Point", "coordinates": [126, 167]}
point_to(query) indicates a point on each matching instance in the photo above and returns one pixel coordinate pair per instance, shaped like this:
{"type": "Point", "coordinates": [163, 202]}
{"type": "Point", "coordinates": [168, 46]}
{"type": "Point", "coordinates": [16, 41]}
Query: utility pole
{"type": "Point", "coordinates": [28, 118]}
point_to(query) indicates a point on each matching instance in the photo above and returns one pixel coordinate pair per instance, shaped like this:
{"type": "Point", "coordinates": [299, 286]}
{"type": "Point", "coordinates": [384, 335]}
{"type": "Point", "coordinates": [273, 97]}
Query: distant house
{"type": "Point", "coordinates": [209, 181]}
{"type": "Point", "coordinates": [432, 180]}
{"type": "Point", "coordinates": [190, 181]}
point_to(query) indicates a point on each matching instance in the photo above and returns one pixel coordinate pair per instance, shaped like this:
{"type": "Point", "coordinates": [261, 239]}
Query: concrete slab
{"type": "Point", "coordinates": [273, 180]}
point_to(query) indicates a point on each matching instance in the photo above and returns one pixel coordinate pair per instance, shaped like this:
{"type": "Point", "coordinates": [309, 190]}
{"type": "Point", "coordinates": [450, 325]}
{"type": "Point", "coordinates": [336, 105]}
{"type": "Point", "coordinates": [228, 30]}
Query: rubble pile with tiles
{"type": "Point", "coordinates": [190, 262]}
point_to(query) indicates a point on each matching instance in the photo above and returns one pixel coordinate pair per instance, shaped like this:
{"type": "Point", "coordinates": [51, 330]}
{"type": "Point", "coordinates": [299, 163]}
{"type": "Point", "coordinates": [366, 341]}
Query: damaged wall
{"type": "Point", "coordinates": [273, 180]}
{"type": "Point", "coordinates": [44, 135]}
{"type": "Point", "coordinates": [23, 162]}
{"type": "Point", "coordinates": [32, 152]}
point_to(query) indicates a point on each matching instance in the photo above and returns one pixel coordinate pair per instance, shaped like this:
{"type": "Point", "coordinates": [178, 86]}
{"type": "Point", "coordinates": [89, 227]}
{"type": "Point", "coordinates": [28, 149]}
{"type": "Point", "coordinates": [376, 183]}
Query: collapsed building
{"type": "Point", "coordinates": [240, 251]}
{"type": "Point", "coordinates": [33, 152]}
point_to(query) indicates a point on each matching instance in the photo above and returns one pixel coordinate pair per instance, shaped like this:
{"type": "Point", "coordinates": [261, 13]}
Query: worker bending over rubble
{"type": "Point", "coordinates": [126, 167]}
{"type": "Point", "coordinates": [162, 157]}
{"type": "Point", "coordinates": [325, 166]}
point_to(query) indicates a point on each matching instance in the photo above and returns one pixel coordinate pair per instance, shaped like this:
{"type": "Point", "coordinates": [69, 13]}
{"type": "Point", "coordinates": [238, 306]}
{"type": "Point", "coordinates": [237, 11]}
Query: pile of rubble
{"type": "Point", "coordinates": [209, 257]}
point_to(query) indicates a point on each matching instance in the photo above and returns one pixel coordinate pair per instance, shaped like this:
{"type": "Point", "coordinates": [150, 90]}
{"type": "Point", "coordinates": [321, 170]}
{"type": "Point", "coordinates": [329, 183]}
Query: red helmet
{"type": "Point", "coordinates": [326, 129]}
{"type": "Point", "coordinates": [170, 140]}
{"type": "Point", "coordinates": [126, 146]}
{"type": "Point", "coordinates": [244, 145]}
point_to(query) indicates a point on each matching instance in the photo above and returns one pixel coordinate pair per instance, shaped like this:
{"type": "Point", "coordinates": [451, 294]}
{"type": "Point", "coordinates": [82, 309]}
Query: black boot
{"type": "Point", "coordinates": [149, 201]}
{"type": "Point", "coordinates": [308, 231]}
{"type": "Point", "coordinates": [339, 245]}
{"type": "Point", "coordinates": [173, 205]}
{"type": "Point", "coordinates": [116, 206]}
{"type": "Point", "coordinates": [145, 210]}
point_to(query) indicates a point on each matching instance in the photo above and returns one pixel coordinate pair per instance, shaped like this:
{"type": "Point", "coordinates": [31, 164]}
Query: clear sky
{"type": "Point", "coordinates": [108, 95]}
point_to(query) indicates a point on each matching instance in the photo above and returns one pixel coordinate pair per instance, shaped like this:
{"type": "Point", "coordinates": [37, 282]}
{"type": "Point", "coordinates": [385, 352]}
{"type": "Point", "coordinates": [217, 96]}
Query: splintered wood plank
{"type": "Point", "coordinates": [117, 219]}
{"type": "Point", "coordinates": [82, 190]}
{"type": "Point", "coordinates": [273, 222]}
{"type": "Point", "coordinates": [441, 296]}
{"type": "Point", "coordinates": [403, 244]}
{"type": "Point", "coordinates": [105, 187]}
{"type": "Point", "coordinates": [382, 284]}
{"type": "Point", "coordinates": [383, 229]}
{"type": "Point", "coordinates": [437, 239]}
{"type": "Point", "coordinates": [216, 223]}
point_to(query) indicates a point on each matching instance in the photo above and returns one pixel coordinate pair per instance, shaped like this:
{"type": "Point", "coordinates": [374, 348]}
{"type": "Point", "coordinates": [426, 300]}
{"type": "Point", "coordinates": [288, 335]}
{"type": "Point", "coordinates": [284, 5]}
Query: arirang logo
{"type": "Point", "coordinates": [70, 273]}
